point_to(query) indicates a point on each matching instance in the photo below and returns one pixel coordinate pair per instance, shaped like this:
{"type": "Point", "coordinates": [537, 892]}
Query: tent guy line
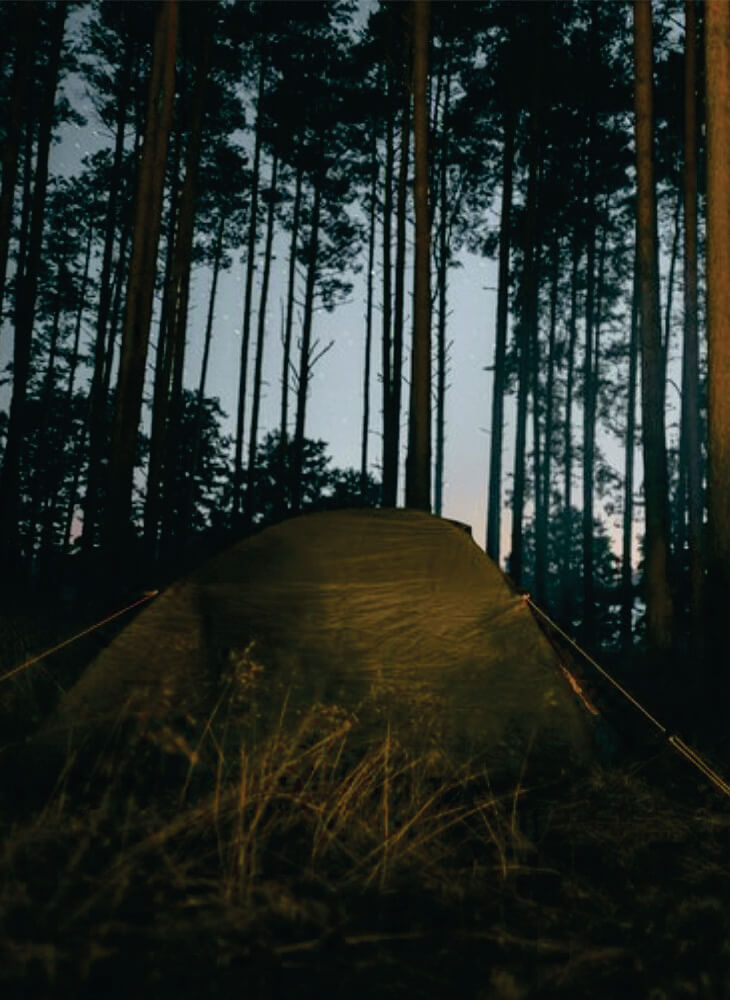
{"type": "Point", "coordinates": [673, 739]}
{"type": "Point", "coordinates": [147, 596]}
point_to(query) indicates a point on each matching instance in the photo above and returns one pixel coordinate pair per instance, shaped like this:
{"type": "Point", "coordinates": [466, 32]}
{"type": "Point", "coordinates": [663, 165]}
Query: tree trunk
{"type": "Point", "coordinates": [442, 280]}
{"type": "Point", "coordinates": [690, 452]}
{"type": "Point", "coordinates": [717, 97]}
{"type": "Point", "coordinates": [658, 596]}
{"type": "Point", "coordinates": [259, 360]}
{"type": "Point", "coordinates": [374, 170]}
{"type": "Point", "coordinates": [494, 513]}
{"type": "Point", "coordinates": [391, 441]}
{"type": "Point", "coordinates": [588, 623]}
{"type": "Point", "coordinates": [173, 490]}
{"type": "Point", "coordinates": [535, 360]}
{"type": "Point", "coordinates": [248, 298]}
{"type": "Point", "coordinates": [627, 577]}
{"type": "Point", "coordinates": [673, 254]}
{"type": "Point", "coordinates": [163, 362]}
{"type": "Point", "coordinates": [388, 495]}
{"type": "Point", "coordinates": [541, 527]}
{"type": "Point", "coordinates": [25, 307]}
{"type": "Point", "coordinates": [199, 407]}
{"type": "Point", "coordinates": [418, 462]}
{"type": "Point", "coordinates": [118, 530]}
{"type": "Point", "coordinates": [40, 487]}
{"type": "Point", "coordinates": [567, 601]}
{"type": "Point", "coordinates": [25, 212]}
{"type": "Point", "coordinates": [24, 49]}
{"type": "Point", "coordinates": [286, 353]}
{"type": "Point", "coordinates": [527, 323]}
{"type": "Point", "coordinates": [306, 349]}
{"type": "Point", "coordinates": [98, 398]}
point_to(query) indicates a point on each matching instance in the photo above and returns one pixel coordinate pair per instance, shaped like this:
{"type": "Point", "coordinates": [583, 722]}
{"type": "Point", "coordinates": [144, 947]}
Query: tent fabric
{"type": "Point", "coordinates": [393, 614]}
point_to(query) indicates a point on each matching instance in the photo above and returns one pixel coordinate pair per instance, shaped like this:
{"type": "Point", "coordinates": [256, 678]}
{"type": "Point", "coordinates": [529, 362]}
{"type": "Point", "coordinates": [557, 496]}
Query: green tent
{"type": "Point", "coordinates": [394, 615]}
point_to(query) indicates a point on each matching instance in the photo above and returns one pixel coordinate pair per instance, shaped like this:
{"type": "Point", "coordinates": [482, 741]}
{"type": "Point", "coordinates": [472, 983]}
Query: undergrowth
{"type": "Point", "coordinates": [214, 857]}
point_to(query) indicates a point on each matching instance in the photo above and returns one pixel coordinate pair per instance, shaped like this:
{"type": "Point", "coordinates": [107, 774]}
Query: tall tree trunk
{"type": "Point", "coordinates": [98, 397]}
{"type": "Point", "coordinates": [535, 358]}
{"type": "Point", "coordinates": [118, 530]}
{"type": "Point", "coordinates": [442, 280]}
{"type": "Point", "coordinates": [673, 254]}
{"type": "Point", "coordinates": [40, 486]}
{"type": "Point", "coordinates": [173, 490]}
{"type": "Point", "coordinates": [54, 497]}
{"type": "Point", "coordinates": [25, 307]}
{"type": "Point", "coordinates": [306, 348]}
{"type": "Point", "coordinates": [388, 495]}
{"type": "Point", "coordinates": [24, 49]}
{"type": "Point", "coordinates": [259, 359]}
{"type": "Point", "coordinates": [658, 596]}
{"type": "Point", "coordinates": [567, 600]}
{"type": "Point", "coordinates": [121, 270]}
{"type": "Point", "coordinates": [690, 451]}
{"type": "Point", "coordinates": [248, 299]}
{"type": "Point", "coordinates": [286, 353]}
{"type": "Point", "coordinates": [164, 353]}
{"type": "Point", "coordinates": [588, 623]}
{"type": "Point", "coordinates": [494, 512]}
{"type": "Point", "coordinates": [374, 170]}
{"type": "Point", "coordinates": [418, 462]}
{"type": "Point", "coordinates": [25, 212]}
{"type": "Point", "coordinates": [627, 576]}
{"type": "Point", "coordinates": [541, 526]}
{"type": "Point", "coordinates": [717, 97]}
{"type": "Point", "coordinates": [391, 441]}
{"type": "Point", "coordinates": [200, 399]}
{"type": "Point", "coordinates": [528, 320]}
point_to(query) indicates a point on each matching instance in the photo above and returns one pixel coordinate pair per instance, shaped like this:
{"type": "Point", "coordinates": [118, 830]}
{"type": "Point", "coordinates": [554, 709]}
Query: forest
{"type": "Point", "coordinates": [582, 147]}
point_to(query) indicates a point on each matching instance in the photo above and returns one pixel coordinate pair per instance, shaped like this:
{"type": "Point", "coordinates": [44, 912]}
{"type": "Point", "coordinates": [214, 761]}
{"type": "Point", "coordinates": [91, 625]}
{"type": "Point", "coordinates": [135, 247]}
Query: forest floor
{"type": "Point", "coordinates": [189, 863]}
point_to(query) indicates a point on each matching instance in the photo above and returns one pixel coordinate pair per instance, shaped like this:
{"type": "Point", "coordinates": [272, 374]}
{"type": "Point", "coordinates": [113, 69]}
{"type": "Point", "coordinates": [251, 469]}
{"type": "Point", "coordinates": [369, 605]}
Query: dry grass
{"type": "Point", "coordinates": [207, 857]}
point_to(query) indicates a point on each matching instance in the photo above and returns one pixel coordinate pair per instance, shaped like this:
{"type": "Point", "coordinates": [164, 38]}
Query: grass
{"type": "Point", "coordinates": [314, 854]}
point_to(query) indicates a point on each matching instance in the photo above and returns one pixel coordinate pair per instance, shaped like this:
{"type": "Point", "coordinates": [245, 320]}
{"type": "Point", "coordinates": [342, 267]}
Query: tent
{"type": "Point", "coordinates": [394, 615]}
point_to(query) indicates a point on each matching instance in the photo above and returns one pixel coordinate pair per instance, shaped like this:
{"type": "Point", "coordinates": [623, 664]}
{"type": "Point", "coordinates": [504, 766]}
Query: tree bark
{"type": "Point", "coordinates": [589, 398]}
{"type": "Point", "coordinates": [418, 462]}
{"type": "Point", "coordinates": [543, 517]}
{"type": "Point", "coordinates": [391, 441]}
{"type": "Point", "coordinates": [658, 595]}
{"type": "Point", "coordinates": [306, 349]}
{"type": "Point", "coordinates": [248, 298]}
{"type": "Point", "coordinates": [200, 399]}
{"type": "Point", "coordinates": [567, 600]}
{"type": "Point", "coordinates": [690, 452]}
{"type": "Point", "coordinates": [163, 359]}
{"type": "Point", "coordinates": [442, 278]}
{"type": "Point", "coordinates": [388, 495]}
{"type": "Point", "coordinates": [259, 359]}
{"type": "Point", "coordinates": [26, 13]}
{"type": "Point", "coordinates": [717, 97]}
{"type": "Point", "coordinates": [25, 307]}
{"type": "Point", "coordinates": [627, 579]}
{"type": "Point", "coordinates": [118, 530]}
{"type": "Point", "coordinates": [527, 323]}
{"type": "Point", "coordinates": [97, 396]}
{"type": "Point", "coordinates": [286, 353]}
{"type": "Point", "coordinates": [494, 512]}
{"type": "Point", "coordinates": [374, 170]}
{"type": "Point", "coordinates": [173, 489]}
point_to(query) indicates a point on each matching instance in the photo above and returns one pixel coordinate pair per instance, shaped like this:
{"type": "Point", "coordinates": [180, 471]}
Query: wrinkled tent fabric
{"type": "Point", "coordinates": [394, 615]}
